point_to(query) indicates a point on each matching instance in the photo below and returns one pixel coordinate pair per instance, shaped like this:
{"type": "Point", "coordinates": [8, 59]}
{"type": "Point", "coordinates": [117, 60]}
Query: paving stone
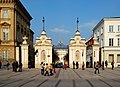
{"type": "Point", "coordinates": [62, 78]}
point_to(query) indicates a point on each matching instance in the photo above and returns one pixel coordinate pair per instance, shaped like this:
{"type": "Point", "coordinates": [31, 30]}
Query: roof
{"type": "Point", "coordinates": [106, 19]}
{"type": "Point", "coordinates": [60, 45]}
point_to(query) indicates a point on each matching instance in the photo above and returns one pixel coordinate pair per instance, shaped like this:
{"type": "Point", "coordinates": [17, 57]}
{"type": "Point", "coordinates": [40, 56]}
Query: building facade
{"type": "Point", "coordinates": [43, 46]}
{"type": "Point", "coordinates": [92, 52]}
{"type": "Point", "coordinates": [107, 32]}
{"type": "Point", "coordinates": [14, 24]}
{"type": "Point", "coordinates": [61, 51]}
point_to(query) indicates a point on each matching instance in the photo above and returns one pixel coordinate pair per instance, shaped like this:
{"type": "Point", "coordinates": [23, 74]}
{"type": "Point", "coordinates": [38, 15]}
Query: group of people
{"type": "Point", "coordinates": [47, 69]}
{"type": "Point", "coordinates": [77, 65]}
{"type": "Point", "coordinates": [97, 65]}
{"type": "Point", "coordinates": [17, 67]}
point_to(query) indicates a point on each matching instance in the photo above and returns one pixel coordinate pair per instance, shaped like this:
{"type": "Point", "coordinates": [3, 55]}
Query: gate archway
{"type": "Point", "coordinates": [60, 54]}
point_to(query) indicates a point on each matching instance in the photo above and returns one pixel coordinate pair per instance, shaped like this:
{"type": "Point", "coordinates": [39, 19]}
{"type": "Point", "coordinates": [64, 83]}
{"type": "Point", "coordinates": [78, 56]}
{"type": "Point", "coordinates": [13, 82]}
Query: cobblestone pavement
{"type": "Point", "coordinates": [62, 78]}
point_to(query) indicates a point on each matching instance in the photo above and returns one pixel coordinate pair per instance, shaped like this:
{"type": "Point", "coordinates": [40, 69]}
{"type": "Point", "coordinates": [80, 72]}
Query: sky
{"type": "Point", "coordinates": [61, 16]}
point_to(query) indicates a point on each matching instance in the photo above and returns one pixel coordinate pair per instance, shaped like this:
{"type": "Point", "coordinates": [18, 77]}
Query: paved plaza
{"type": "Point", "coordinates": [62, 78]}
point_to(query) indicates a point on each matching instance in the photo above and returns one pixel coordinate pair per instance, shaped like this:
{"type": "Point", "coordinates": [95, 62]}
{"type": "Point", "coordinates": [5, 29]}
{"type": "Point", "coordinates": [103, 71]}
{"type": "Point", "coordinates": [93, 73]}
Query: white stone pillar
{"type": "Point", "coordinates": [17, 54]}
{"type": "Point", "coordinates": [37, 58]}
{"type": "Point", "coordinates": [24, 54]}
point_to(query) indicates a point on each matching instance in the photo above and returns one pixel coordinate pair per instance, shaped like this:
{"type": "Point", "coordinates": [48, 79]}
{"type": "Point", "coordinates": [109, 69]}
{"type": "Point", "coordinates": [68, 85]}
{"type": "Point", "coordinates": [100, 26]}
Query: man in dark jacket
{"type": "Point", "coordinates": [16, 66]}
{"type": "Point", "coordinates": [0, 64]}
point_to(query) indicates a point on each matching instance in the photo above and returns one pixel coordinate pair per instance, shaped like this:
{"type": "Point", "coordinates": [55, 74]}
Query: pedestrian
{"type": "Point", "coordinates": [106, 63]}
{"type": "Point", "coordinates": [20, 67]}
{"type": "Point", "coordinates": [73, 65]}
{"type": "Point", "coordinates": [13, 66]}
{"type": "Point", "coordinates": [83, 65]}
{"type": "Point", "coordinates": [0, 64]}
{"type": "Point", "coordinates": [97, 66]}
{"type": "Point", "coordinates": [53, 67]}
{"type": "Point", "coordinates": [102, 65]}
{"type": "Point", "coordinates": [51, 70]}
{"type": "Point", "coordinates": [42, 68]}
{"type": "Point", "coordinates": [77, 65]}
{"type": "Point", "coordinates": [112, 63]}
{"type": "Point", "coordinates": [64, 67]}
{"type": "Point", "coordinates": [16, 66]}
{"type": "Point", "coordinates": [29, 65]}
{"type": "Point", "coordinates": [94, 64]}
{"type": "Point", "coordinates": [7, 65]}
{"type": "Point", "coordinates": [47, 69]}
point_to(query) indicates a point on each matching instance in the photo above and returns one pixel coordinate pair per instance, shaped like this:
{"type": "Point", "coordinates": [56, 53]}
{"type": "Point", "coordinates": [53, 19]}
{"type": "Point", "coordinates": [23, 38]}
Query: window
{"type": "Point", "coordinates": [111, 28]}
{"type": "Point", "coordinates": [5, 14]}
{"type": "Point", "coordinates": [43, 56]}
{"type": "Point", "coordinates": [102, 30]}
{"type": "Point", "coordinates": [118, 28]}
{"type": "Point", "coordinates": [5, 34]}
{"type": "Point", "coordinates": [98, 38]}
{"type": "Point", "coordinates": [111, 58]}
{"type": "Point", "coordinates": [4, 55]}
{"type": "Point", "coordinates": [101, 42]}
{"type": "Point", "coordinates": [77, 55]}
{"type": "Point", "coordinates": [94, 53]}
{"type": "Point", "coordinates": [118, 41]}
{"type": "Point", "coordinates": [118, 58]}
{"type": "Point", "coordinates": [98, 33]}
{"type": "Point", "coordinates": [110, 41]}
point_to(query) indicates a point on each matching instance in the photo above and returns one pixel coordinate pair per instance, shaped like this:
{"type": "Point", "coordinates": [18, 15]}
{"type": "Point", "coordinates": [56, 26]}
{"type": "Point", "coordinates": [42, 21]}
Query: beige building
{"type": "Point", "coordinates": [107, 32]}
{"type": "Point", "coordinates": [14, 24]}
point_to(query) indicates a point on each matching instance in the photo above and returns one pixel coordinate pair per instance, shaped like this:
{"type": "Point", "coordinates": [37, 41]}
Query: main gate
{"type": "Point", "coordinates": [60, 54]}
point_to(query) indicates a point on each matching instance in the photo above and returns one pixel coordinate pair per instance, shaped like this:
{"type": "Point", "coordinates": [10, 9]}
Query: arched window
{"type": "Point", "coordinates": [77, 55]}
{"type": "Point", "coordinates": [43, 55]}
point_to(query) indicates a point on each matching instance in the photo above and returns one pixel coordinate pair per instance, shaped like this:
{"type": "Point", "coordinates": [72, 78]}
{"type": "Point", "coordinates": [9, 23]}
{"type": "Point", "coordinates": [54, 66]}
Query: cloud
{"type": "Point", "coordinates": [59, 30]}
{"type": "Point", "coordinates": [89, 25]}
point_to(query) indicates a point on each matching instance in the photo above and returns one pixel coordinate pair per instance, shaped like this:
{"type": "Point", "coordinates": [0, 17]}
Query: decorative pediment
{"type": "Point", "coordinates": [5, 24]}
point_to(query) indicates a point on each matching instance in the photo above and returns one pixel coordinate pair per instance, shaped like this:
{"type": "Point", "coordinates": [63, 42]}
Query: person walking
{"type": "Point", "coordinates": [7, 65]}
{"type": "Point", "coordinates": [16, 66]}
{"type": "Point", "coordinates": [77, 65]}
{"type": "Point", "coordinates": [94, 64]}
{"type": "Point", "coordinates": [29, 64]}
{"type": "Point", "coordinates": [47, 70]}
{"type": "Point", "coordinates": [97, 68]}
{"type": "Point", "coordinates": [53, 67]}
{"type": "Point", "coordinates": [51, 70]}
{"type": "Point", "coordinates": [73, 65]}
{"type": "Point", "coordinates": [83, 65]}
{"type": "Point", "coordinates": [102, 65]}
{"type": "Point", "coordinates": [42, 68]}
{"type": "Point", "coordinates": [64, 67]}
{"type": "Point", "coordinates": [13, 66]}
{"type": "Point", "coordinates": [106, 63]}
{"type": "Point", "coordinates": [20, 67]}
{"type": "Point", "coordinates": [112, 63]}
{"type": "Point", "coordinates": [0, 64]}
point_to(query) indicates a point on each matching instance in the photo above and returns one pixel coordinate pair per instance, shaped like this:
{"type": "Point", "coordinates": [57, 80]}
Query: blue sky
{"type": "Point", "coordinates": [61, 15]}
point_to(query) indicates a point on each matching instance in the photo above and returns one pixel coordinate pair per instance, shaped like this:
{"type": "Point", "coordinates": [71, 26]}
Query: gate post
{"type": "Point", "coordinates": [24, 52]}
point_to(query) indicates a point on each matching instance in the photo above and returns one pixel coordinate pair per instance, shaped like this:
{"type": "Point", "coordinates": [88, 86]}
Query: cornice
{"type": "Point", "coordinates": [5, 24]}
{"type": "Point", "coordinates": [8, 1]}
